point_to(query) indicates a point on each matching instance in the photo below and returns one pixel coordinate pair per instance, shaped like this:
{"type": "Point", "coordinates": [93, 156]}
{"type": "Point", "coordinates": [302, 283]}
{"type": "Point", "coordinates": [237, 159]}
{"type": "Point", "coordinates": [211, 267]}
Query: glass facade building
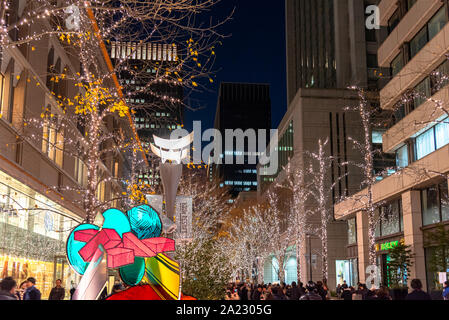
{"type": "Point", "coordinates": [33, 232]}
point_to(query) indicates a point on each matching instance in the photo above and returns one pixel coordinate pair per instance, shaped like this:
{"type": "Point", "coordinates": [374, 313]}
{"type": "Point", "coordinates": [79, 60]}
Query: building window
{"type": "Point", "coordinates": [435, 204]}
{"type": "Point", "coordinates": [393, 21]}
{"type": "Point", "coordinates": [437, 23]}
{"type": "Point", "coordinates": [410, 4]}
{"type": "Point", "coordinates": [80, 172]}
{"type": "Point", "coordinates": [423, 92]}
{"type": "Point", "coordinates": [352, 231]}
{"type": "Point", "coordinates": [397, 64]}
{"type": "Point", "coordinates": [425, 144]}
{"type": "Point", "coordinates": [390, 219]}
{"type": "Point", "coordinates": [377, 136]}
{"type": "Point", "coordinates": [429, 31]}
{"type": "Point", "coordinates": [7, 92]}
{"type": "Point", "coordinates": [402, 157]}
{"type": "Point", "coordinates": [53, 142]}
{"type": "Point", "coordinates": [101, 191]}
{"type": "Point", "coordinates": [431, 140]}
{"type": "Point", "coordinates": [442, 133]}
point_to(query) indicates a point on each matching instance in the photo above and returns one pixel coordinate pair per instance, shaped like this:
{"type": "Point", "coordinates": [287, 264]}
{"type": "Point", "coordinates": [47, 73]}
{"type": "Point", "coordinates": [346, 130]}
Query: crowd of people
{"type": "Point", "coordinates": [244, 291]}
{"type": "Point", "coordinates": [319, 291]}
{"type": "Point", "coordinates": [27, 290]}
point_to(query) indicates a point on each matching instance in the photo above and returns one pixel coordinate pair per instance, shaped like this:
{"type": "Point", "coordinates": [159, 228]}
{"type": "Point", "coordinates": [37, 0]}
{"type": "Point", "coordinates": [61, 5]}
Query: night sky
{"type": "Point", "coordinates": [254, 52]}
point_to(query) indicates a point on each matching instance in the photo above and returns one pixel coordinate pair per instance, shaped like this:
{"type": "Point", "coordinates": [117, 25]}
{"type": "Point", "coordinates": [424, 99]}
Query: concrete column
{"type": "Point", "coordinates": [362, 244]}
{"type": "Point", "coordinates": [411, 208]}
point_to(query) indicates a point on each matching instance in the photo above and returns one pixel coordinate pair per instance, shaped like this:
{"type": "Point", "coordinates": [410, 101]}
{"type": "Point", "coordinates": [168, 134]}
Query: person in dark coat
{"type": "Point", "coordinates": [347, 293]}
{"type": "Point", "coordinates": [321, 290]}
{"type": "Point", "coordinates": [311, 292]}
{"type": "Point", "coordinates": [294, 292]}
{"type": "Point", "coordinates": [8, 289]}
{"type": "Point", "coordinates": [362, 290]}
{"type": "Point", "coordinates": [257, 292]}
{"type": "Point", "coordinates": [32, 293]}
{"type": "Point", "coordinates": [417, 293]}
{"type": "Point", "coordinates": [301, 290]}
{"type": "Point", "coordinates": [58, 292]}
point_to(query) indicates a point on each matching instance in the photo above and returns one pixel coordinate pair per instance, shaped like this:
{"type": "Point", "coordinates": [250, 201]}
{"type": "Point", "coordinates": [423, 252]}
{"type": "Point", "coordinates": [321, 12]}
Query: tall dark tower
{"type": "Point", "coordinates": [241, 106]}
{"type": "Point", "coordinates": [157, 104]}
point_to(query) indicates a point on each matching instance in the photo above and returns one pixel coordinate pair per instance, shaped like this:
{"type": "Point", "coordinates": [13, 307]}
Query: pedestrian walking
{"type": "Point", "coordinates": [58, 292]}
{"type": "Point", "coordinates": [32, 293]}
{"type": "Point", "coordinates": [8, 289]}
{"type": "Point", "coordinates": [446, 291]}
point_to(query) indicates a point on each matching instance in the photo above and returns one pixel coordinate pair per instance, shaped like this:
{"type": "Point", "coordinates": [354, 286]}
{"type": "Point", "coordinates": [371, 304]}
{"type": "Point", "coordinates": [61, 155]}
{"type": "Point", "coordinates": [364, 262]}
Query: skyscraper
{"type": "Point", "coordinates": [328, 46]}
{"type": "Point", "coordinates": [242, 106]}
{"type": "Point", "coordinates": [157, 104]}
{"type": "Point", "coordinates": [328, 50]}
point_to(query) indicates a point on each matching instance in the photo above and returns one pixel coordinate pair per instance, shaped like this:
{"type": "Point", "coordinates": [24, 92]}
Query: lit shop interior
{"type": "Point", "coordinates": [33, 230]}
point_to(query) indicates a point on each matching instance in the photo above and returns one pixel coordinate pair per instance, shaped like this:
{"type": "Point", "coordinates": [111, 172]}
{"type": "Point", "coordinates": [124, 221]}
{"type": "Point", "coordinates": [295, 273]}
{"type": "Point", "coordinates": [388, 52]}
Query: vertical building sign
{"type": "Point", "coordinates": [183, 218]}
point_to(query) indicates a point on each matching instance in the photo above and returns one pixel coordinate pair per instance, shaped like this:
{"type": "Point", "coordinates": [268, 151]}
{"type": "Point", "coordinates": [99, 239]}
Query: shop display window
{"type": "Point", "coordinates": [435, 204]}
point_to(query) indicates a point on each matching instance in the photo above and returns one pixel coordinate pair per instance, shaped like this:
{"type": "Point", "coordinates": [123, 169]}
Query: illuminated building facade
{"type": "Point", "coordinates": [158, 104]}
{"type": "Point", "coordinates": [413, 203]}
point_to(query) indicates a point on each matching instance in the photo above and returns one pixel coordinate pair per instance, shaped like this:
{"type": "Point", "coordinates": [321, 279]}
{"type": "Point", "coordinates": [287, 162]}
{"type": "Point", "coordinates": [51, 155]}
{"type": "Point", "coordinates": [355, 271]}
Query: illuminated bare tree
{"type": "Point", "coordinates": [172, 39]}
{"type": "Point", "coordinates": [299, 187]}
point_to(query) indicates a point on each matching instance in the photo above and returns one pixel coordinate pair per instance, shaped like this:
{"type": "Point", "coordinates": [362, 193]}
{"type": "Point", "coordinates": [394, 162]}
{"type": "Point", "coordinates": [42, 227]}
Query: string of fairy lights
{"type": "Point", "coordinates": [92, 77]}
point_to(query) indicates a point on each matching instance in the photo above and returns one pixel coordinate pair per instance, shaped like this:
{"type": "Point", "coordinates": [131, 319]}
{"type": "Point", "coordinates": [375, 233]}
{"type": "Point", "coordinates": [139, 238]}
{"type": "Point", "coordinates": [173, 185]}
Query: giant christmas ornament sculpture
{"type": "Point", "coordinates": [128, 242]}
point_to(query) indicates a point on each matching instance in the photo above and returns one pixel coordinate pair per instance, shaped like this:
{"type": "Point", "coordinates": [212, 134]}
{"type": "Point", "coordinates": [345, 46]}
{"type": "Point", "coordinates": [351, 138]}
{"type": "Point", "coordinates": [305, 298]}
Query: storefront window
{"type": "Point", "coordinates": [437, 261]}
{"type": "Point", "coordinates": [430, 212]}
{"type": "Point", "coordinates": [435, 204]}
{"type": "Point", "coordinates": [390, 223]}
{"type": "Point", "coordinates": [352, 231]}
{"type": "Point", "coordinates": [346, 271]}
{"type": "Point", "coordinates": [33, 230]}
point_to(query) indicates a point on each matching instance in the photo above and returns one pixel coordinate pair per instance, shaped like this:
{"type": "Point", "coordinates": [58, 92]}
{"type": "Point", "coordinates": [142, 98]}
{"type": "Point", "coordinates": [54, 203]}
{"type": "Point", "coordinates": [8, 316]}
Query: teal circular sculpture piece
{"type": "Point", "coordinates": [145, 222]}
{"type": "Point", "coordinates": [133, 273]}
{"type": "Point", "coordinates": [73, 247]}
{"type": "Point", "coordinates": [117, 220]}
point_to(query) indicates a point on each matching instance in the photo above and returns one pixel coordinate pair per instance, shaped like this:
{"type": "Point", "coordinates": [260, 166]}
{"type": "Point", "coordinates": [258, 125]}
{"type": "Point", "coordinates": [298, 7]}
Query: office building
{"type": "Point", "coordinates": [413, 202]}
{"type": "Point", "coordinates": [158, 104]}
{"type": "Point", "coordinates": [328, 50]}
{"type": "Point", "coordinates": [244, 106]}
